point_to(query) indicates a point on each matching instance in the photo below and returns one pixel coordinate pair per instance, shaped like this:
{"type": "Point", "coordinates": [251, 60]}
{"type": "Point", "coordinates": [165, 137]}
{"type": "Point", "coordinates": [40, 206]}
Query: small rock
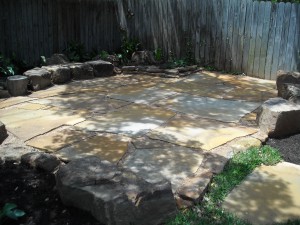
{"type": "Point", "coordinates": [286, 77]}
{"type": "Point", "coordinates": [154, 70]}
{"type": "Point", "coordinates": [42, 161]}
{"type": "Point", "coordinates": [3, 132]}
{"type": "Point", "coordinates": [101, 68]}
{"type": "Point", "coordinates": [81, 71]}
{"type": "Point", "coordinates": [143, 57]}
{"type": "Point", "coordinates": [187, 69]}
{"type": "Point", "coordinates": [38, 78]}
{"type": "Point", "coordinates": [172, 71]}
{"type": "Point", "coordinates": [290, 92]}
{"type": "Point", "coordinates": [56, 59]}
{"type": "Point", "coordinates": [279, 118]}
{"type": "Point", "coordinates": [59, 74]}
{"type": "Point", "coordinates": [129, 68]}
{"type": "Point", "coordinates": [113, 195]}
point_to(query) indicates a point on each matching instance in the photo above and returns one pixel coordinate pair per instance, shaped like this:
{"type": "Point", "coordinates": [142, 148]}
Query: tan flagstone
{"type": "Point", "coordinates": [172, 163]}
{"type": "Point", "coordinates": [57, 139]}
{"type": "Point", "coordinates": [250, 94]}
{"type": "Point", "coordinates": [199, 133]}
{"type": "Point", "coordinates": [27, 124]}
{"type": "Point", "coordinates": [31, 106]}
{"type": "Point", "coordinates": [218, 109]}
{"type": "Point", "coordinates": [109, 147]}
{"type": "Point", "coordinates": [83, 101]}
{"type": "Point", "coordinates": [14, 101]}
{"type": "Point", "coordinates": [131, 120]}
{"type": "Point", "coordinates": [52, 91]}
{"type": "Point", "coordinates": [270, 194]}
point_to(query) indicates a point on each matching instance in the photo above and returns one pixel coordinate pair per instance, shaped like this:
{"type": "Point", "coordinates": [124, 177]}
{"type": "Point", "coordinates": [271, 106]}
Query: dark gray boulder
{"type": "Point", "coordinates": [101, 68]}
{"type": "Point", "coordinates": [81, 71]}
{"type": "Point", "coordinates": [38, 78]}
{"type": "Point", "coordinates": [59, 74]}
{"type": "Point", "coordinates": [3, 132]}
{"type": "Point", "coordinates": [56, 59]}
{"type": "Point", "coordinates": [114, 195]}
{"type": "Point", "coordinates": [17, 85]}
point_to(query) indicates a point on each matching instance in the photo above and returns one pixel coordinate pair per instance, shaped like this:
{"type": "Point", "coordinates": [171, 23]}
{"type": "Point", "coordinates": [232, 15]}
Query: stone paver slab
{"type": "Point", "coordinates": [57, 139]}
{"type": "Point", "coordinates": [251, 94]}
{"type": "Point", "coordinates": [109, 147]}
{"type": "Point", "coordinates": [27, 124]}
{"type": "Point", "coordinates": [269, 194]}
{"type": "Point", "coordinates": [218, 109]}
{"type": "Point", "coordinates": [174, 164]}
{"type": "Point", "coordinates": [85, 101]}
{"type": "Point", "coordinates": [199, 133]}
{"type": "Point", "coordinates": [140, 94]}
{"type": "Point", "coordinates": [31, 106]}
{"type": "Point", "coordinates": [131, 120]}
{"type": "Point", "coordinates": [14, 101]}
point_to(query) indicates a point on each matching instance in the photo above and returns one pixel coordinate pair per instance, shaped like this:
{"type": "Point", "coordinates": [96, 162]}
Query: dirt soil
{"type": "Point", "coordinates": [289, 148]}
{"type": "Point", "coordinates": [34, 192]}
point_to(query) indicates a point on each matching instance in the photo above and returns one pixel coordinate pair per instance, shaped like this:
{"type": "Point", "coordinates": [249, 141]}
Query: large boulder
{"type": "Point", "coordinates": [59, 74]}
{"type": "Point", "coordinates": [81, 71]}
{"type": "Point", "coordinates": [279, 118]}
{"type": "Point", "coordinates": [114, 195]}
{"type": "Point", "coordinates": [38, 78]}
{"type": "Point", "coordinates": [56, 59]}
{"type": "Point", "coordinates": [17, 85]}
{"type": "Point", "coordinates": [143, 57]}
{"type": "Point", "coordinates": [3, 132]}
{"type": "Point", "coordinates": [101, 68]}
{"type": "Point", "coordinates": [286, 78]}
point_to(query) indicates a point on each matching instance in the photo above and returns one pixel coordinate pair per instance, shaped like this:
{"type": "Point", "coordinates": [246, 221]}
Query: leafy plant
{"type": "Point", "coordinates": [103, 55]}
{"type": "Point", "coordinates": [6, 67]}
{"type": "Point", "coordinates": [189, 58]}
{"type": "Point", "coordinates": [10, 210]}
{"type": "Point", "coordinates": [128, 47]}
{"type": "Point", "coordinates": [75, 51]}
{"type": "Point", "coordinates": [158, 55]}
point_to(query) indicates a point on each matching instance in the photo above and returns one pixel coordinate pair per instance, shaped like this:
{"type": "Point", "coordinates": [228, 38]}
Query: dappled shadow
{"type": "Point", "coordinates": [266, 196]}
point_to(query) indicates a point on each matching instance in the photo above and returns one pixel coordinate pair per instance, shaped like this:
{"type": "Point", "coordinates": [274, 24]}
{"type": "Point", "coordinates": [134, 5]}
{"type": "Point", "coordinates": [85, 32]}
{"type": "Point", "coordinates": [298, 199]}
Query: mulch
{"type": "Point", "coordinates": [289, 148]}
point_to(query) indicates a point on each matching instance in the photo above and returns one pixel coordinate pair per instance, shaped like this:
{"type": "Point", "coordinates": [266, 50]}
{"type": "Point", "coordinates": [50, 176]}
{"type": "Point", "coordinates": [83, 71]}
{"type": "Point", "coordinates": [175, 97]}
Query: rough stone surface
{"type": "Point", "coordinates": [172, 163]}
{"type": "Point", "coordinates": [43, 161]}
{"type": "Point", "coordinates": [278, 118]}
{"type": "Point", "coordinates": [284, 77]}
{"type": "Point", "coordinates": [14, 101]}
{"type": "Point", "coordinates": [38, 78]}
{"type": "Point", "coordinates": [59, 74]}
{"type": "Point", "coordinates": [143, 57]}
{"type": "Point", "coordinates": [270, 194]}
{"type": "Point", "coordinates": [57, 59]}
{"type": "Point", "coordinates": [199, 133]}
{"type": "Point", "coordinates": [112, 195]}
{"type": "Point", "coordinates": [81, 71]}
{"type": "Point", "coordinates": [290, 92]}
{"type": "Point", "coordinates": [3, 132]}
{"type": "Point", "coordinates": [101, 68]}
{"type": "Point", "coordinates": [17, 85]}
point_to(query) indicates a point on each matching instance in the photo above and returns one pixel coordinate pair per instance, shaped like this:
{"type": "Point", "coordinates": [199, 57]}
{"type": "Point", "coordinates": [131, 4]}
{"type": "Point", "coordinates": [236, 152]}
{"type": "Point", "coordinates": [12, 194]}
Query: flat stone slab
{"type": "Point", "coordinates": [218, 109]}
{"type": "Point", "coordinates": [30, 106]}
{"type": "Point", "coordinates": [85, 101]}
{"type": "Point", "coordinates": [199, 133]}
{"type": "Point", "coordinates": [110, 147]}
{"type": "Point", "coordinates": [131, 120]}
{"type": "Point", "coordinates": [57, 139]}
{"type": "Point", "coordinates": [174, 164]}
{"type": "Point", "coordinates": [270, 194]}
{"type": "Point", "coordinates": [140, 94]}
{"type": "Point", "coordinates": [14, 101]}
{"type": "Point", "coordinates": [27, 124]}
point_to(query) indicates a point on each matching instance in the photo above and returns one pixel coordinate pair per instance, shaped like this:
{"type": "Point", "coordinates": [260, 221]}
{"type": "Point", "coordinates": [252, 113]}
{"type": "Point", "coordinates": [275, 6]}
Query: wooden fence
{"type": "Point", "coordinates": [257, 38]}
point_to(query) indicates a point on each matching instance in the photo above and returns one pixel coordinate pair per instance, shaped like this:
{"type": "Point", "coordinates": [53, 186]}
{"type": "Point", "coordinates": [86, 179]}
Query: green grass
{"type": "Point", "coordinates": [209, 211]}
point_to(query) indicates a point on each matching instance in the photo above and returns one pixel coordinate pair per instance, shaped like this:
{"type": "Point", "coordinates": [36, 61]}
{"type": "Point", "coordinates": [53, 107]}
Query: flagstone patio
{"type": "Point", "coordinates": [161, 128]}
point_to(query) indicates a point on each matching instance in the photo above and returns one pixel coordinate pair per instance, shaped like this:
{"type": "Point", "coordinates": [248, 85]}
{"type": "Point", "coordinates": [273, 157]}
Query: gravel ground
{"type": "Point", "coordinates": [289, 148]}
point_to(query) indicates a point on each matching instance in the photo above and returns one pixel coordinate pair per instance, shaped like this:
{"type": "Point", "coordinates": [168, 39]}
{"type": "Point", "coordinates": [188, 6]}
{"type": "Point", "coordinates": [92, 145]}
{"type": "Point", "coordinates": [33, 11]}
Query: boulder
{"type": "Point", "coordinates": [279, 118]}
{"type": "Point", "coordinates": [38, 78]}
{"type": "Point", "coordinates": [56, 59]}
{"type": "Point", "coordinates": [290, 92]}
{"type": "Point", "coordinates": [101, 68]}
{"type": "Point", "coordinates": [44, 161]}
{"type": "Point", "coordinates": [114, 195]}
{"type": "Point", "coordinates": [3, 133]}
{"type": "Point", "coordinates": [286, 77]}
{"type": "Point", "coordinates": [59, 74]}
{"type": "Point", "coordinates": [143, 57]}
{"type": "Point", "coordinates": [81, 71]}
{"type": "Point", "coordinates": [17, 85]}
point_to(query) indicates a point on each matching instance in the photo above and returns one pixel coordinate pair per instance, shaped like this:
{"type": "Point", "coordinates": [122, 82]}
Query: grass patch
{"type": "Point", "coordinates": [242, 164]}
